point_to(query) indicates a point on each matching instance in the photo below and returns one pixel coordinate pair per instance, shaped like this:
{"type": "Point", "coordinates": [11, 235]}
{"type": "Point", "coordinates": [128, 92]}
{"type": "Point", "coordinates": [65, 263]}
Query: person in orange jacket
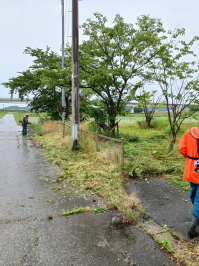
{"type": "Point", "coordinates": [189, 148]}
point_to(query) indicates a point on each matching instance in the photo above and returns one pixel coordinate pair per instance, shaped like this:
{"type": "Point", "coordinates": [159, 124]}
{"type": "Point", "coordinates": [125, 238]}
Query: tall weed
{"type": "Point", "coordinates": [87, 142]}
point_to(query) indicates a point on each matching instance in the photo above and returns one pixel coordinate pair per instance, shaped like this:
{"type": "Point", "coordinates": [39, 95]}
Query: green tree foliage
{"type": "Point", "coordinates": [149, 103]}
{"type": "Point", "coordinates": [114, 59]}
{"type": "Point", "coordinates": [44, 80]}
{"type": "Point", "coordinates": [194, 107]}
{"type": "Point", "coordinates": [138, 110]}
{"type": "Point", "coordinates": [177, 79]}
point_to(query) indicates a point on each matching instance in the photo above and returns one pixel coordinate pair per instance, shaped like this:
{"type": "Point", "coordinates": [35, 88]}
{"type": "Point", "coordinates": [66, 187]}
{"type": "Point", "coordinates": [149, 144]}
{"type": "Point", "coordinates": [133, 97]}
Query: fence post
{"type": "Point", "coordinates": [122, 164]}
{"type": "Point", "coordinates": [96, 140]}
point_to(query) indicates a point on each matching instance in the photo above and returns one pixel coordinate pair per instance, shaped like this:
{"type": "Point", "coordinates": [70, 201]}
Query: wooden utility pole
{"type": "Point", "coordinates": [75, 74]}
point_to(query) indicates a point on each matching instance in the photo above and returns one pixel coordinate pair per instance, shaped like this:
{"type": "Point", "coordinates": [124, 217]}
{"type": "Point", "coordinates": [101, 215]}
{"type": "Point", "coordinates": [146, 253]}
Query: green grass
{"type": "Point", "coordinates": [33, 118]}
{"type": "Point", "coordinates": [3, 113]}
{"type": "Point", "coordinates": [140, 117]}
{"type": "Point", "coordinates": [79, 210]}
{"type": "Point", "coordinates": [165, 243]}
{"type": "Point", "coordinates": [99, 210]}
{"type": "Point", "coordinates": [19, 116]}
{"type": "Point", "coordinates": [146, 151]}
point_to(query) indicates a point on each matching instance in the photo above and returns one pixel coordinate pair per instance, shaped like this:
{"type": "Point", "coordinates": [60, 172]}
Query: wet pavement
{"type": "Point", "coordinates": [167, 204]}
{"type": "Point", "coordinates": [28, 237]}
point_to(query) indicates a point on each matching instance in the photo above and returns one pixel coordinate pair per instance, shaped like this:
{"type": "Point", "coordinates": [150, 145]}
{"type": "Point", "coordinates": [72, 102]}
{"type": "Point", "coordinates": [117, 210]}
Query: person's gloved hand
{"type": "Point", "coordinates": [196, 164]}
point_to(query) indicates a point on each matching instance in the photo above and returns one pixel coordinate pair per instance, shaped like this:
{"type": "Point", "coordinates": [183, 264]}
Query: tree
{"type": "Point", "coordinates": [44, 80]}
{"type": "Point", "coordinates": [177, 79]}
{"type": "Point", "coordinates": [115, 57]}
{"type": "Point", "coordinates": [149, 103]}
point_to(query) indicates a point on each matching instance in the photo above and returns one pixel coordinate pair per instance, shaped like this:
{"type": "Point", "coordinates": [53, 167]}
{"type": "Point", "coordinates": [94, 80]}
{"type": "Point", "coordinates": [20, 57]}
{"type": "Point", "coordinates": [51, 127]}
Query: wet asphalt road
{"type": "Point", "coordinates": [28, 237]}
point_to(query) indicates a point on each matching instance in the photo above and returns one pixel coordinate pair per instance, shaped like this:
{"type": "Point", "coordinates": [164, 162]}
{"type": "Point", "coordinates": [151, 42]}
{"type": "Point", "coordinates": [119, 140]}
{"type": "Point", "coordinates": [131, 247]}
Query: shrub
{"type": "Point", "coordinates": [138, 110]}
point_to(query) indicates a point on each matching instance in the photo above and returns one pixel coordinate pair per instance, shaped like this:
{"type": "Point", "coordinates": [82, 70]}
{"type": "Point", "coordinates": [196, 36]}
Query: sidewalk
{"type": "Point", "coordinates": [168, 205]}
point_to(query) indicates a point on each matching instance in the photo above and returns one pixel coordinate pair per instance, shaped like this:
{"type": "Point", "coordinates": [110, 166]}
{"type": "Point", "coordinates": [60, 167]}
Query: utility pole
{"type": "Point", "coordinates": [75, 74]}
{"type": "Point", "coordinates": [63, 92]}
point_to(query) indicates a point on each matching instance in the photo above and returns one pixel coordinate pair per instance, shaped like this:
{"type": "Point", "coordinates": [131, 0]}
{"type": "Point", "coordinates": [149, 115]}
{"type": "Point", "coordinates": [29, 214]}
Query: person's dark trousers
{"type": "Point", "coordinates": [24, 131]}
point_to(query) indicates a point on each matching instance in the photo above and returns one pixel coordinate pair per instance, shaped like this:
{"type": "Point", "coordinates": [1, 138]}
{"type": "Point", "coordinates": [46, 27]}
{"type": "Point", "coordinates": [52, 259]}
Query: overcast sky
{"type": "Point", "coordinates": [37, 23]}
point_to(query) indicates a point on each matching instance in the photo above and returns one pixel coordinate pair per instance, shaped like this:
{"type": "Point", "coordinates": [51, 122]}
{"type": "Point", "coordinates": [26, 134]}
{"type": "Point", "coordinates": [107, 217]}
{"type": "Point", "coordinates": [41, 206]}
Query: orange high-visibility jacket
{"type": "Point", "coordinates": [189, 147]}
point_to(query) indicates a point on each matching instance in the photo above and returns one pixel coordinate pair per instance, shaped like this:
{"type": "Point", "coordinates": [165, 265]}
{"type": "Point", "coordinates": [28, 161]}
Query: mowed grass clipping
{"type": "Point", "coordinates": [88, 169]}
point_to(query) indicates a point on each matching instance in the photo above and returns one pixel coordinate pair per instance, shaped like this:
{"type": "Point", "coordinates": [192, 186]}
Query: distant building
{"type": "Point", "coordinates": [16, 108]}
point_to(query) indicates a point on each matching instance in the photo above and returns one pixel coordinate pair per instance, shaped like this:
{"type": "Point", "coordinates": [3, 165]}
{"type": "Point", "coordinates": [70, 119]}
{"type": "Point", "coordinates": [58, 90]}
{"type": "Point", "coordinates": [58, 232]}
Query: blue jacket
{"type": "Point", "coordinates": [25, 121]}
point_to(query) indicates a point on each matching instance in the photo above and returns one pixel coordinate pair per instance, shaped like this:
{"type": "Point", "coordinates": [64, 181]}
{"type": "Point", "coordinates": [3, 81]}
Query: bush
{"type": "Point", "coordinates": [142, 124]}
{"type": "Point", "coordinates": [138, 110]}
{"type": "Point", "coordinates": [156, 124]}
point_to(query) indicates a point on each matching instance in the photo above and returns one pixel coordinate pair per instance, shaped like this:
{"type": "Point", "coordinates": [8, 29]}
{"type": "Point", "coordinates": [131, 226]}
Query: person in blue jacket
{"type": "Point", "coordinates": [25, 123]}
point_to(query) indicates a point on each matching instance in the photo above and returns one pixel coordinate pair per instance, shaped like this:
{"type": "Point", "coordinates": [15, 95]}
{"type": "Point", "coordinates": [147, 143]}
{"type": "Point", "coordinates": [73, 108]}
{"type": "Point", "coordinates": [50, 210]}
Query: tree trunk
{"type": "Point", "coordinates": [149, 117]}
{"type": "Point", "coordinates": [174, 134]}
{"type": "Point", "coordinates": [171, 145]}
{"type": "Point", "coordinates": [112, 125]}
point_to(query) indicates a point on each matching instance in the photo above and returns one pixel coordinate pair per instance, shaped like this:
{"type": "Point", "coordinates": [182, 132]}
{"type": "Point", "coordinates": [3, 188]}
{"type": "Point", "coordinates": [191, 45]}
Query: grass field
{"type": "Point", "coordinates": [141, 117]}
{"type": "Point", "coordinates": [33, 118]}
{"type": "Point", "coordinates": [3, 113]}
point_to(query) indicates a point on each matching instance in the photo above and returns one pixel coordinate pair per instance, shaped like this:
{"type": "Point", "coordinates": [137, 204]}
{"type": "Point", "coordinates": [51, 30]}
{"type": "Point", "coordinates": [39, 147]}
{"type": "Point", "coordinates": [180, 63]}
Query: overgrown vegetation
{"type": "Point", "coordinates": [88, 169]}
